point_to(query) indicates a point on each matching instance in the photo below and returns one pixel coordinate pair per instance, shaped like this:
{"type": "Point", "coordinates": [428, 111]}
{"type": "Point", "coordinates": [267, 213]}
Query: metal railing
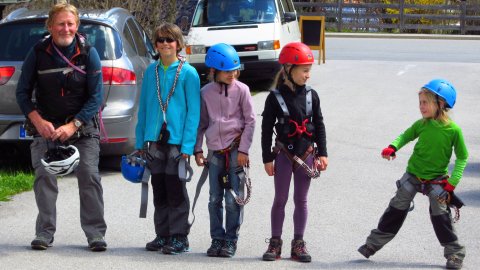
{"type": "Point", "coordinates": [457, 18]}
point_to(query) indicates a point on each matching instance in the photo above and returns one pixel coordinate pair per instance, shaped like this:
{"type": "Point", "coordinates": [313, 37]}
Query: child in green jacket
{"type": "Point", "coordinates": [427, 172]}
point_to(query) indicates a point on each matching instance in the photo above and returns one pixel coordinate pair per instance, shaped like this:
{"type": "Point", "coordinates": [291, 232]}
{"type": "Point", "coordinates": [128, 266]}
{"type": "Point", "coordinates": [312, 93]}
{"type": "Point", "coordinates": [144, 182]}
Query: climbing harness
{"type": "Point", "coordinates": [298, 132]}
{"type": "Point", "coordinates": [444, 197]}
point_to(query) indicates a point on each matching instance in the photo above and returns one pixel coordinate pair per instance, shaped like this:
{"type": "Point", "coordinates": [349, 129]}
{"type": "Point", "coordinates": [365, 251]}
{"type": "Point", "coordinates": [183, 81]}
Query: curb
{"type": "Point", "coordinates": [402, 36]}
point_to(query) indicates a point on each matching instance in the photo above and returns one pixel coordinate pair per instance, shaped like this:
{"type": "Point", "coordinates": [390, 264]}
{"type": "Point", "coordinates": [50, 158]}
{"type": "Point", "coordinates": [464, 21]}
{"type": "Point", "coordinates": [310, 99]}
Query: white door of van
{"type": "Point", "coordinates": [290, 28]}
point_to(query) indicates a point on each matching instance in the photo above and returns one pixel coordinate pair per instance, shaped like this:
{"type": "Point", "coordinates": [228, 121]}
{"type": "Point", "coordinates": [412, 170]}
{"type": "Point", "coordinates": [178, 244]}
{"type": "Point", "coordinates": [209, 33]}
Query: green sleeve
{"type": "Point", "coordinates": [407, 136]}
{"type": "Point", "coordinates": [461, 155]}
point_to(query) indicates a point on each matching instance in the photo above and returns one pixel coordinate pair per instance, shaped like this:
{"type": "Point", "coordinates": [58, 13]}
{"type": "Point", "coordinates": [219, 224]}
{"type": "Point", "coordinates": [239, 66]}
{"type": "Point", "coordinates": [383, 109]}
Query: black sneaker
{"type": "Point", "coordinates": [215, 248]}
{"type": "Point", "coordinates": [228, 250]}
{"type": "Point", "coordinates": [97, 244]}
{"type": "Point", "coordinates": [453, 262]}
{"type": "Point", "coordinates": [41, 243]}
{"type": "Point", "coordinates": [176, 245]}
{"type": "Point", "coordinates": [366, 251]}
{"type": "Point", "coordinates": [299, 251]}
{"type": "Point", "coordinates": [274, 250]}
{"type": "Point", "coordinates": [156, 244]}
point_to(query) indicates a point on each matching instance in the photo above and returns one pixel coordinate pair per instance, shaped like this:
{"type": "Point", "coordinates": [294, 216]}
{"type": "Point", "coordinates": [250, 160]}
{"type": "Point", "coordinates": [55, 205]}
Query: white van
{"type": "Point", "coordinates": [257, 29]}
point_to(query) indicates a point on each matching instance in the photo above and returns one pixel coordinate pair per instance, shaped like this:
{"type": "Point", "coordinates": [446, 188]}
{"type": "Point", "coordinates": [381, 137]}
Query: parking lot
{"type": "Point", "coordinates": [366, 103]}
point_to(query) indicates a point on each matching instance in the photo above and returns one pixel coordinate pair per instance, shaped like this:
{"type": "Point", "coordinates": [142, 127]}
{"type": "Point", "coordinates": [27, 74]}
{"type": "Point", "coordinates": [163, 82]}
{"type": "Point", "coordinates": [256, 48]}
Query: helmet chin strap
{"type": "Point", "coordinates": [289, 76]}
{"type": "Point", "coordinates": [440, 107]}
{"type": "Point", "coordinates": [222, 84]}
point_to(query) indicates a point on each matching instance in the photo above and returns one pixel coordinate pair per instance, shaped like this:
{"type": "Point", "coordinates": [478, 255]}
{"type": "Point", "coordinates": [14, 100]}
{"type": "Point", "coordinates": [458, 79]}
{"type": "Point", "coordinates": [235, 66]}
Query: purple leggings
{"type": "Point", "coordinates": [301, 182]}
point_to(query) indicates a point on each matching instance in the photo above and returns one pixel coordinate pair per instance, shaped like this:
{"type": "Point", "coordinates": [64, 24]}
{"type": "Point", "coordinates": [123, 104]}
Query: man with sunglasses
{"type": "Point", "coordinates": [168, 117]}
{"type": "Point", "coordinates": [65, 73]}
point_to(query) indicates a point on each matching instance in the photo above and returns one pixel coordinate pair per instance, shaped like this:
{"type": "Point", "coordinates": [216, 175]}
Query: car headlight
{"type": "Point", "coordinates": [195, 49]}
{"type": "Point", "coordinates": [268, 45]}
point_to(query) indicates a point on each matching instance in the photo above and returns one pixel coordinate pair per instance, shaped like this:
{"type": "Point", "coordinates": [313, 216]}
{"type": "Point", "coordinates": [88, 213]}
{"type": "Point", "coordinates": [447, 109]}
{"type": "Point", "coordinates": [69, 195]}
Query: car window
{"type": "Point", "coordinates": [225, 12]}
{"type": "Point", "coordinates": [137, 37]}
{"type": "Point", "coordinates": [18, 38]}
{"type": "Point", "coordinates": [146, 39]}
{"type": "Point", "coordinates": [129, 38]}
{"type": "Point", "coordinates": [106, 40]}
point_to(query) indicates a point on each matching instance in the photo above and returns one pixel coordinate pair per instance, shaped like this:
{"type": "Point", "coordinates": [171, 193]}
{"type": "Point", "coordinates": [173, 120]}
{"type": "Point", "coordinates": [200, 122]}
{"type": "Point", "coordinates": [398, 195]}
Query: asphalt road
{"type": "Point", "coordinates": [366, 104]}
{"type": "Point", "coordinates": [416, 48]}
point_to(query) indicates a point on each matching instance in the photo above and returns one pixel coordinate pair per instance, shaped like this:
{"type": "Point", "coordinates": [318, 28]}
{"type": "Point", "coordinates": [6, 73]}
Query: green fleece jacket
{"type": "Point", "coordinates": [433, 150]}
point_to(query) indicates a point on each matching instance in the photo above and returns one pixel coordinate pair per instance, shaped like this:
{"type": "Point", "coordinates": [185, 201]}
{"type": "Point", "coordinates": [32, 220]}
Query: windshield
{"type": "Point", "coordinates": [229, 12]}
{"type": "Point", "coordinates": [18, 38]}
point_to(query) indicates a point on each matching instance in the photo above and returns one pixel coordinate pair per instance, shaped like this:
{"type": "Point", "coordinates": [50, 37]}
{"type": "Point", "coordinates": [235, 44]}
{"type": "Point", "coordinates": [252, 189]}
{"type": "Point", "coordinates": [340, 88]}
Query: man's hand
{"type": "Point", "coordinates": [43, 127]}
{"type": "Point", "coordinates": [64, 132]}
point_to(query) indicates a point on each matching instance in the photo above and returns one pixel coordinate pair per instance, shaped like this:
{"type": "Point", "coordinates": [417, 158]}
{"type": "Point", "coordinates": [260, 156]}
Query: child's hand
{"type": "Point", "coordinates": [321, 163]}
{"type": "Point", "coordinates": [389, 153]}
{"type": "Point", "coordinates": [242, 159]}
{"type": "Point", "coordinates": [200, 159]}
{"type": "Point", "coordinates": [269, 168]}
{"type": "Point", "coordinates": [447, 186]}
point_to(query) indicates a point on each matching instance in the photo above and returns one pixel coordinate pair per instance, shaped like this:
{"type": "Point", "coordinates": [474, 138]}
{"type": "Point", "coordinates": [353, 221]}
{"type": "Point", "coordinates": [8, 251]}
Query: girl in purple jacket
{"type": "Point", "coordinates": [227, 120]}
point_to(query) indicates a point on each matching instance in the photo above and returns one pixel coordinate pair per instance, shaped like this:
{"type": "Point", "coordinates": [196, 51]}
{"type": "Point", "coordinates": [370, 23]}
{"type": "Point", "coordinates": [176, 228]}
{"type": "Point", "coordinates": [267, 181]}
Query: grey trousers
{"type": "Point", "coordinates": [170, 196]}
{"type": "Point", "coordinates": [89, 185]}
{"type": "Point", "coordinates": [394, 216]}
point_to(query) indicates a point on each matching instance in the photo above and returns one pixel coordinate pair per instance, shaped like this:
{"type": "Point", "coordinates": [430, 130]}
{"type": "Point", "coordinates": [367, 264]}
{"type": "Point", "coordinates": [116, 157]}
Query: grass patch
{"type": "Point", "coordinates": [12, 183]}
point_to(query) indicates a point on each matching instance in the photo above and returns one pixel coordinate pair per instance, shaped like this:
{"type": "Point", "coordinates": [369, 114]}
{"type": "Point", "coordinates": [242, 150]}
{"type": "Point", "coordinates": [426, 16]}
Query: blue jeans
{"type": "Point", "coordinates": [215, 204]}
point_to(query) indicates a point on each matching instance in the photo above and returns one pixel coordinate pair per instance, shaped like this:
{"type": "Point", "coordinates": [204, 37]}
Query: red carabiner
{"type": "Point", "coordinates": [299, 129]}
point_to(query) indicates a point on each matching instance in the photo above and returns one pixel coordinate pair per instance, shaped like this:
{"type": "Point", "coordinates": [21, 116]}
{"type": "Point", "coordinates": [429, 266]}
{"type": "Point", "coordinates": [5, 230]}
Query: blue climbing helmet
{"type": "Point", "coordinates": [223, 57]}
{"type": "Point", "coordinates": [133, 167]}
{"type": "Point", "coordinates": [444, 89]}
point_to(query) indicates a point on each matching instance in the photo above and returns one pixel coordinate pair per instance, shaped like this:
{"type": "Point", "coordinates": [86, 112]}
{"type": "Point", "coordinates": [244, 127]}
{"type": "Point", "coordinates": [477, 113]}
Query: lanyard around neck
{"type": "Point", "coordinates": [66, 60]}
{"type": "Point", "coordinates": [163, 106]}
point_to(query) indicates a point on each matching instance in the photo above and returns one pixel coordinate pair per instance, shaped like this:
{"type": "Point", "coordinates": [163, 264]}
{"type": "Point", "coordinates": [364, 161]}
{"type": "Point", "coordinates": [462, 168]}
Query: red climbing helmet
{"type": "Point", "coordinates": [296, 53]}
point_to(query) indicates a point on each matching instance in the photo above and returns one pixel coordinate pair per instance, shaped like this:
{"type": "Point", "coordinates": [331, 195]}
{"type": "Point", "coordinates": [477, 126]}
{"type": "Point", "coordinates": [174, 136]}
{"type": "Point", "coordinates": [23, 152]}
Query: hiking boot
{"type": "Point", "coordinates": [97, 244]}
{"type": "Point", "coordinates": [453, 262]}
{"type": "Point", "coordinates": [41, 243]}
{"type": "Point", "coordinates": [214, 249]}
{"type": "Point", "coordinates": [228, 250]}
{"type": "Point", "coordinates": [299, 251]}
{"type": "Point", "coordinates": [177, 244]}
{"type": "Point", "coordinates": [156, 244]}
{"type": "Point", "coordinates": [366, 251]}
{"type": "Point", "coordinates": [274, 249]}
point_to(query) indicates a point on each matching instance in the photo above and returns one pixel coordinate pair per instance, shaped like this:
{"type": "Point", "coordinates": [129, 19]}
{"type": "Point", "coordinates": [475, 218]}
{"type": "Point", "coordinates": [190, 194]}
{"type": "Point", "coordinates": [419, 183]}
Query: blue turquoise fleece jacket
{"type": "Point", "coordinates": [183, 111]}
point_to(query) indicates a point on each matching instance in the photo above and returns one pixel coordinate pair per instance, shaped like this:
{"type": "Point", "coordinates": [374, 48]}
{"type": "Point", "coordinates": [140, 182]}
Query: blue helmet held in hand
{"type": "Point", "coordinates": [222, 57]}
{"type": "Point", "coordinates": [133, 167]}
{"type": "Point", "coordinates": [444, 89]}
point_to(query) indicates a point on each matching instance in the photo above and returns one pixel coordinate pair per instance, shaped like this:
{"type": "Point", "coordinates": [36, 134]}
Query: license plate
{"type": "Point", "coordinates": [23, 134]}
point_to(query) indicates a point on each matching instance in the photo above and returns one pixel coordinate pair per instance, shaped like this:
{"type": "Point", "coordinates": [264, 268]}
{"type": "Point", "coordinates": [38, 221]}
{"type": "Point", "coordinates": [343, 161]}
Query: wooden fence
{"type": "Point", "coordinates": [457, 18]}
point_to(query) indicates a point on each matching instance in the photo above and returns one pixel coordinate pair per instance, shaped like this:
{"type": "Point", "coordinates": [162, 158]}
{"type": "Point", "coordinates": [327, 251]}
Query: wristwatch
{"type": "Point", "coordinates": [77, 123]}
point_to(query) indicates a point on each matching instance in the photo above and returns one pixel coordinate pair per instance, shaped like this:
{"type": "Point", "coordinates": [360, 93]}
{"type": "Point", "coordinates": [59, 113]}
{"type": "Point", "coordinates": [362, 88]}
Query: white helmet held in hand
{"type": "Point", "coordinates": [61, 160]}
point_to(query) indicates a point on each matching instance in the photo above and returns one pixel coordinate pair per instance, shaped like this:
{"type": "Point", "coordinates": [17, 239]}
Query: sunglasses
{"type": "Point", "coordinates": [163, 39]}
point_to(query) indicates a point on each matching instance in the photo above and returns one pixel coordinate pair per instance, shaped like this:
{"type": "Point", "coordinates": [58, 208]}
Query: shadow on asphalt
{"type": "Point", "coordinates": [372, 264]}
{"type": "Point", "coordinates": [472, 169]}
{"type": "Point", "coordinates": [470, 198]}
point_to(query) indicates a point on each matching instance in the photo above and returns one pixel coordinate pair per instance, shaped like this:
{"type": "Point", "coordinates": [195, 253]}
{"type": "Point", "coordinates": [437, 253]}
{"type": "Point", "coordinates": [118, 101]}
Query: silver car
{"type": "Point", "coordinates": [125, 52]}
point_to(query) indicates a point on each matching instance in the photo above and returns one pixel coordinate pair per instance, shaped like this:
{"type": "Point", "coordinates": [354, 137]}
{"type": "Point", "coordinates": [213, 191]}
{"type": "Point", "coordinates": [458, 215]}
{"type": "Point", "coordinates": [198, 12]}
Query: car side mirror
{"type": "Point", "coordinates": [289, 17]}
